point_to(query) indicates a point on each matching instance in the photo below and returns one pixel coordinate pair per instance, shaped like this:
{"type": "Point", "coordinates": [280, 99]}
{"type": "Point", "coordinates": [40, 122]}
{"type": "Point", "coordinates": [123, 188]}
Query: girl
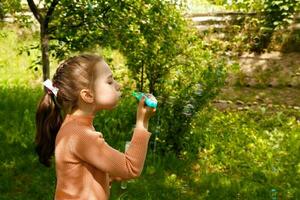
{"type": "Point", "coordinates": [85, 164]}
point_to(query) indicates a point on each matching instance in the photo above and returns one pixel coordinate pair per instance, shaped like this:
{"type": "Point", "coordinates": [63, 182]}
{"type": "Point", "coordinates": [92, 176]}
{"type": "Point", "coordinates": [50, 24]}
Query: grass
{"type": "Point", "coordinates": [230, 154]}
{"type": "Point", "coordinates": [22, 176]}
{"type": "Point", "coordinates": [15, 63]}
{"type": "Point", "coordinates": [222, 169]}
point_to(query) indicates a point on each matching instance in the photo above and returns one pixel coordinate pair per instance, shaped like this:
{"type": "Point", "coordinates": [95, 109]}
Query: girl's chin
{"type": "Point", "coordinates": [116, 105]}
{"type": "Point", "coordinates": [110, 107]}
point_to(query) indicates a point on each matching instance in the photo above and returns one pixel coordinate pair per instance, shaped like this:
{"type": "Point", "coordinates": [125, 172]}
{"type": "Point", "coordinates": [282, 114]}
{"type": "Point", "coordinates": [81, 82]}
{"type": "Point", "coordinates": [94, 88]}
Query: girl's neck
{"type": "Point", "coordinates": [79, 112]}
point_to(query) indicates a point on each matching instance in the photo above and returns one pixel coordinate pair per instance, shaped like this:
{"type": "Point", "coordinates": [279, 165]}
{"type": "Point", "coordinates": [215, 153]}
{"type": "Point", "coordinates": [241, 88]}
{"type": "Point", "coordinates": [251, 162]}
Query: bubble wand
{"type": "Point", "coordinates": [150, 100]}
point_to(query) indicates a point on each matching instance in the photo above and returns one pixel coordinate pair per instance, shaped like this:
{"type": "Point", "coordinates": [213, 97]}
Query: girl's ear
{"type": "Point", "coordinates": [87, 96]}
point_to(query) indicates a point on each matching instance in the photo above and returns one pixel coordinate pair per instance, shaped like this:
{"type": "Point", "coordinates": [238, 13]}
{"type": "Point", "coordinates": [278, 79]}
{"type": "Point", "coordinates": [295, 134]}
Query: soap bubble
{"type": "Point", "coordinates": [187, 110]}
{"type": "Point", "coordinates": [198, 89]}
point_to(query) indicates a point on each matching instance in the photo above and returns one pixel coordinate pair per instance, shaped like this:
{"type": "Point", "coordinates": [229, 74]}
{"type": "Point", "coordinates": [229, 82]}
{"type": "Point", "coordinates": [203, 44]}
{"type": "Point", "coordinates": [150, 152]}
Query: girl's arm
{"type": "Point", "coordinates": [91, 148]}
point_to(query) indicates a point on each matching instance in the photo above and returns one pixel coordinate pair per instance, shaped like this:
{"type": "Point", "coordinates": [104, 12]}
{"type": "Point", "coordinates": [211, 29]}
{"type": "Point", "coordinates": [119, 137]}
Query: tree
{"type": "Point", "coordinates": [44, 18]}
{"type": "Point", "coordinates": [9, 7]}
{"type": "Point", "coordinates": [144, 31]}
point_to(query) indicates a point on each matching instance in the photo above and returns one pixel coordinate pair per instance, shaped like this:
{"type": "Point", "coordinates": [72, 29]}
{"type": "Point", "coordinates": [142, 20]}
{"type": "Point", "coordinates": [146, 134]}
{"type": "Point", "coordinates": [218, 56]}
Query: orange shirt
{"type": "Point", "coordinates": [86, 164]}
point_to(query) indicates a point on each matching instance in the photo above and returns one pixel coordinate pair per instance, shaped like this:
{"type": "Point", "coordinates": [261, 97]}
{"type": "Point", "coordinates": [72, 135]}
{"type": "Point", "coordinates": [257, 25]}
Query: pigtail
{"type": "Point", "coordinates": [70, 77]}
{"type": "Point", "coordinates": [48, 122]}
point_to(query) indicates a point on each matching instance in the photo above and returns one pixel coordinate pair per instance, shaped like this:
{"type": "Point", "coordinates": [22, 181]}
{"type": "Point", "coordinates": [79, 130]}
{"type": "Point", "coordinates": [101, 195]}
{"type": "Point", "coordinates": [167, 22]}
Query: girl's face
{"type": "Point", "coordinates": [107, 90]}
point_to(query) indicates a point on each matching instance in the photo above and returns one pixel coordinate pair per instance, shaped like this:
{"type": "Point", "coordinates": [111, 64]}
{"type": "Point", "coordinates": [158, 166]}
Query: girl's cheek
{"type": "Point", "coordinates": [107, 99]}
{"type": "Point", "coordinates": [107, 102]}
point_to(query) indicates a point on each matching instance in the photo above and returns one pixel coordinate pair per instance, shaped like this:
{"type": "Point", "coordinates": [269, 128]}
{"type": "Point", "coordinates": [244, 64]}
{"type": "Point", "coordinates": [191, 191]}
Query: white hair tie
{"type": "Point", "coordinates": [49, 85]}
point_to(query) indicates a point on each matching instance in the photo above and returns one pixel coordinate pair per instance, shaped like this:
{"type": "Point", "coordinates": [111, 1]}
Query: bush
{"type": "Point", "coordinates": [163, 52]}
{"type": "Point", "coordinates": [255, 33]}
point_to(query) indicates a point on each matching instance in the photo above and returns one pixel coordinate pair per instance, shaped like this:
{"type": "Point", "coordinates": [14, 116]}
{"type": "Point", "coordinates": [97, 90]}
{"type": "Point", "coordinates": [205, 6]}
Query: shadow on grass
{"type": "Point", "coordinates": [21, 177]}
{"type": "Point", "coordinates": [170, 178]}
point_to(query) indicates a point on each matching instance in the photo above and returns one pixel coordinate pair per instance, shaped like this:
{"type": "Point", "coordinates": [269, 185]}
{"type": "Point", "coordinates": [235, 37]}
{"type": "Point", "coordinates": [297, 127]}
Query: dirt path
{"type": "Point", "coordinates": [271, 80]}
{"type": "Point", "coordinates": [246, 98]}
{"type": "Point", "coordinates": [272, 69]}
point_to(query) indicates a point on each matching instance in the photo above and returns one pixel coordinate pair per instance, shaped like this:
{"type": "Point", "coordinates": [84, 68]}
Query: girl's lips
{"type": "Point", "coordinates": [120, 94]}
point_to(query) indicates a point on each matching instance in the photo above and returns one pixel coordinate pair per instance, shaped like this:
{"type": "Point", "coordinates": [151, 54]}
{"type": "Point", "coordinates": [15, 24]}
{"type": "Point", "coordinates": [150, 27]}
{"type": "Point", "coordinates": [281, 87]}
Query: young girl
{"type": "Point", "coordinates": [85, 163]}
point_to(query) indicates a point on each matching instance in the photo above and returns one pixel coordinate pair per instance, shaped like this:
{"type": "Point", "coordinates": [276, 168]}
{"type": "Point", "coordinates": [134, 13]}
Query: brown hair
{"type": "Point", "coordinates": [71, 76]}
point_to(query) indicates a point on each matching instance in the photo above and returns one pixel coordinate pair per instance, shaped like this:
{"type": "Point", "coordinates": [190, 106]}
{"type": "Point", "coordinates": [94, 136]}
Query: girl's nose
{"type": "Point", "coordinates": [118, 86]}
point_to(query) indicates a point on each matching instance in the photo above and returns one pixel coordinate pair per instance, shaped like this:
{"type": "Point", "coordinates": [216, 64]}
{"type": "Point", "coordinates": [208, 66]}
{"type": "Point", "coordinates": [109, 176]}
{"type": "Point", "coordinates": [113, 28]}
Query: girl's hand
{"type": "Point", "coordinates": [143, 114]}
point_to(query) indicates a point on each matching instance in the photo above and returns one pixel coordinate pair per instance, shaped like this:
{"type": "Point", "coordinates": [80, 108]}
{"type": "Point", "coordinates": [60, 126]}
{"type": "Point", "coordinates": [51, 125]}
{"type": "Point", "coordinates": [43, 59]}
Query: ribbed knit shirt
{"type": "Point", "coordinates": [86, 165]}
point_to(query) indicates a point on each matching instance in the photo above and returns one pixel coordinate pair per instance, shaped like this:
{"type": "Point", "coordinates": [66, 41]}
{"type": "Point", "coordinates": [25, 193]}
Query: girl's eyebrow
{"type": "Point", "coordinates": [110, 76]}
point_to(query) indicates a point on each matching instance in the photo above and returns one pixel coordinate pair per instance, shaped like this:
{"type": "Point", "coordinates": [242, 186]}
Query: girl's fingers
{"type": "Point", "coordinates": [142, 101]}
{"type": "Point", "coordinates": [150, 111]}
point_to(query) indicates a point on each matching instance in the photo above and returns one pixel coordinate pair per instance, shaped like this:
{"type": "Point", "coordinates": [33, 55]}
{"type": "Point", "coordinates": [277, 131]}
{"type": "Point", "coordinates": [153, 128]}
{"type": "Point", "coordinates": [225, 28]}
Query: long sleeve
{"type": "Point", "coordinates": [90, 147]}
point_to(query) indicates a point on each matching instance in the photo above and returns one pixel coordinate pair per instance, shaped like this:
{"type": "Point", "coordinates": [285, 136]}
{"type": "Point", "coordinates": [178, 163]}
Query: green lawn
{"type": "Point", "coordinates": [241, 155]}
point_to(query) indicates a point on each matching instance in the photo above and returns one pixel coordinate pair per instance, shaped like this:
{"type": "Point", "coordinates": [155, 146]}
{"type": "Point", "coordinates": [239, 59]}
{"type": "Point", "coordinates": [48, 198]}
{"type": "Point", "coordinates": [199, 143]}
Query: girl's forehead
{"type": "Point", "coordinates": [103, 69]}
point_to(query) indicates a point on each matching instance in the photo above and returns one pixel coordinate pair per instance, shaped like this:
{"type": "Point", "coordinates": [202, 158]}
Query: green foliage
{"type": "Point", "coordinates": [16, 65]}
{"type": "Point", "coordinates": [157, 43]}
{"type": "Point", "coordinates": [145, 32]}
{"type": "Point", "coordinates": [271, 16]}
{"type": "Point", "coordinates": [15, 9]}
{"type": "Point", "coordinates": [205, 6]}
{"type": "Point", "coordinates": [9, 7]}
{"type": "Point", "coordinates": [277, 15]}
{"type": "Point", "coordinates": [2, 12]}
{"type": "Point", "coordinates": [280, 13]}
{"type": "Point", "coordinates": [260, 26]}
{"type": "Point", "coordinates": [250, 148]}
{"type": "Point", "coordinates": [185, 95]}
{"type": "Point", "coordinates": [246, 5]}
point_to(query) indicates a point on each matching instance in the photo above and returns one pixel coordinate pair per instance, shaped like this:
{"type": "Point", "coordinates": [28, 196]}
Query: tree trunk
{"type": "Point", "coordinates": [151, 86]}
{"type": "Point", "coordinates": [152, 80]}
{"type": "Point", "coordinates": [44, 34]}
{"type": "Point", "coordinates": [142, 78]}
{"type": "Point", "coordinates": [45, 51]}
